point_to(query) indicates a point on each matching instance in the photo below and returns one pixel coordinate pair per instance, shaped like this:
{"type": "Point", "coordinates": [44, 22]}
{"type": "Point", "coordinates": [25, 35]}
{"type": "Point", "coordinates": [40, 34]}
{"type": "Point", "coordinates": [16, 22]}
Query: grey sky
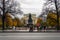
{"type": "Point", "coordinates": [31, 6]}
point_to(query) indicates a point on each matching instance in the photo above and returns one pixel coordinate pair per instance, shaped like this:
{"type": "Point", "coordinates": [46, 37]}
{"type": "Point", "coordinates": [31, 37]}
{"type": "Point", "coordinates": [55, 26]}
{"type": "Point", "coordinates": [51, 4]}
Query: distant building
{"type": "Point", "coordinates": [26, 16]}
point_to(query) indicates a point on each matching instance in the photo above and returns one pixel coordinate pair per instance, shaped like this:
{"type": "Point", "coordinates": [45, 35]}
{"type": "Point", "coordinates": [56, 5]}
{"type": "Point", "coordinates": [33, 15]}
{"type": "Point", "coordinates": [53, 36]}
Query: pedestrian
{"type": "Point", "coordinates": [14, 28]}
{"type": "Point", "coordinates": [44, 28]}
{"type": "Point", "coordinates": [38, 26]}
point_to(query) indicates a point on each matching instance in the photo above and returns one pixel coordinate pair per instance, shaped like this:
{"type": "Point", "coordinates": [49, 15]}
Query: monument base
{"type": "Point", "coordinates": [31, 27]}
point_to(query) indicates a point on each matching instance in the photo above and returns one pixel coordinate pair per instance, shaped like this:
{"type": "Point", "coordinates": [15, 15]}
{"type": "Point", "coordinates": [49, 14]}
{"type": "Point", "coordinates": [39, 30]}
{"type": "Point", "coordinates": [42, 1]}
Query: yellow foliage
{"type": "Point", "coordinates": [0, 22]}
{"type": "Point", "coordinates": [14, 22]}
{"type": "Point", "coordinates": [52, 15]}
{"type": "Point", "coordinates": [39, 20]}
{"type": "Point", "coordinates": [52, 19]}
{"type": "Point", "coordinates": [9, 20]}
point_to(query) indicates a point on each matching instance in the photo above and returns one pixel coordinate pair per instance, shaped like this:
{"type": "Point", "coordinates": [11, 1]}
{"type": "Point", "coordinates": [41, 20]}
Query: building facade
{"type": "Point", "coordinates": [26, 16]}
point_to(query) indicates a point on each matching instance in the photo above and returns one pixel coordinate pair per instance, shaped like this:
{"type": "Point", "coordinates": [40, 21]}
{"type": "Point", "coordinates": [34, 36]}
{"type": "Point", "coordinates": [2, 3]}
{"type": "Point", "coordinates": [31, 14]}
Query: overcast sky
{"type": "Point", "coordinates": [31, 6]}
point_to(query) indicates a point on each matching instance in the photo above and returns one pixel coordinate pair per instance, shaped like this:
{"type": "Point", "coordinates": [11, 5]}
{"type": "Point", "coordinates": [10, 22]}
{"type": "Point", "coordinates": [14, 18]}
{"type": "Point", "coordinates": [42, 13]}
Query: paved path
{"type": "Point", "coordinates": [29, 36]}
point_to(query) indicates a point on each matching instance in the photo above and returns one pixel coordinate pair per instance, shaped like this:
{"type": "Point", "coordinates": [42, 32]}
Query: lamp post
{"type": "Point", "coordinates": [58, 28]}
{"type": "Point", "coordinates": [3, 17]}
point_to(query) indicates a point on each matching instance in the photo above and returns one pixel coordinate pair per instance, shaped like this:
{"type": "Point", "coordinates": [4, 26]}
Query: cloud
{"type": "Point", "coordinates": [33, 6]}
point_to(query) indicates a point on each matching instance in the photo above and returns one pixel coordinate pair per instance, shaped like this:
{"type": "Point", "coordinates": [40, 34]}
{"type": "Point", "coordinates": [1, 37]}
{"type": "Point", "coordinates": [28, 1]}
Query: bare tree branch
{"type": "Point", "coordinates": [12, 7]}
{"type": "Point", "coordinates": [1, 8]}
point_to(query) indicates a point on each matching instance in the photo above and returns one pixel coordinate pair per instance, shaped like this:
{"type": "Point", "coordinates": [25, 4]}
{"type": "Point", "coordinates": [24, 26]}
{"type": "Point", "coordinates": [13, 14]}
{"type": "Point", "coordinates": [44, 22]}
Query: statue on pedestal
{"type": "Point", "coordinates": [30, 23]}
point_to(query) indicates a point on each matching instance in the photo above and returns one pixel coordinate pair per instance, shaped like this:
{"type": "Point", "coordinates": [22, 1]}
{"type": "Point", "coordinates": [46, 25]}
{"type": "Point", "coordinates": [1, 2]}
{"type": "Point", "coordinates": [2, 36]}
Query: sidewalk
{"type": "Point", "coordinates": [27, 31]}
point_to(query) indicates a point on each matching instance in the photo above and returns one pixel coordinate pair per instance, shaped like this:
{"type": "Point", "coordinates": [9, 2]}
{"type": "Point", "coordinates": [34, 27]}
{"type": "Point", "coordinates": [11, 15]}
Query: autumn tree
{"type": "Point", "coordinates": [18, 22]}
{"type": "Point", "coordinates": [0, 21]}
{"type": "Point", "coordinates": [52, 19]}
{"type": "Point", "coordinates": [8, 20]}
{"type": "Point", "coordinates": [53, 6]}
{"type": "Point", "coordinates": [14, 22]}
{"type": "Point", "coordinates": [39, 20]}
{"type": "Point", "coordinates": [9, 6]}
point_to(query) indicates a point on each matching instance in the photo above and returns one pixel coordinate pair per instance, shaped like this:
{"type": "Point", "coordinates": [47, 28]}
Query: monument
{"type": "Point", "coordinates": [30, 23]}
